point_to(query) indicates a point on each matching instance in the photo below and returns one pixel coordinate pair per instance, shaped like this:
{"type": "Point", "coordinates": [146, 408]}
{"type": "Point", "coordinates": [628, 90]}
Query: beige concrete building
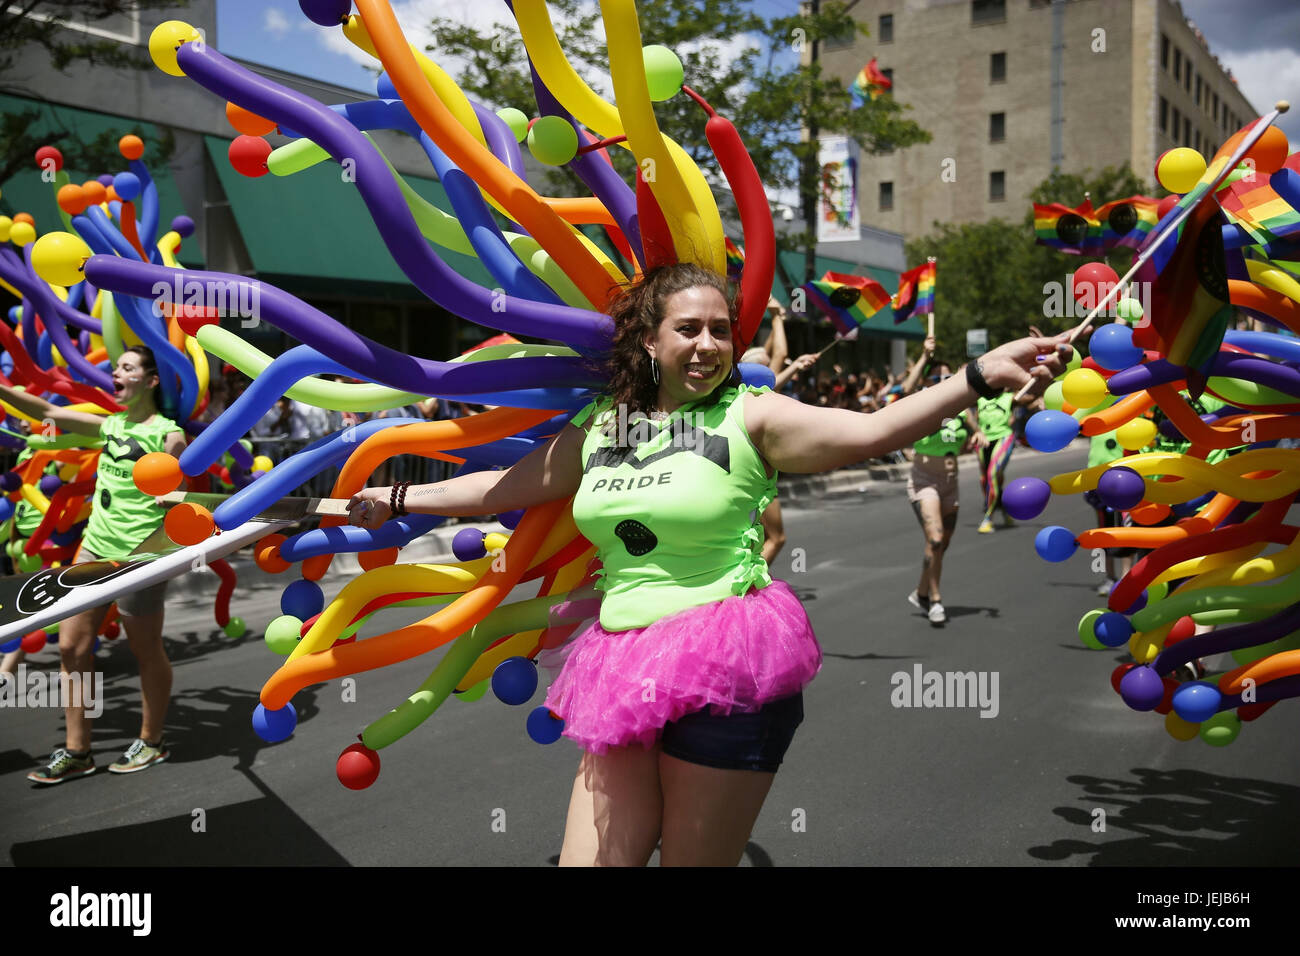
{"type": "Point", "coordinates": [1010, 89]}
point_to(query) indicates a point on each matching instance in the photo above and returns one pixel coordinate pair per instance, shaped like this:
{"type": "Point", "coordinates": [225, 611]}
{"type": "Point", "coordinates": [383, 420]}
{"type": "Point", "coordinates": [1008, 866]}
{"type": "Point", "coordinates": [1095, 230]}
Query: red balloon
{"type": "Point", "coordinates": [47, 153]}
{"type": "Point", "coordinates": [1167, 702]}
{"type": "Point", "coordinates": [358, 767]}
{"type": "Point", "coordinates": [1181, 631]}
{"type": "Point", "coordinates": [1092, 283]}
{"type": "Point", "coordinates": [1166, 204]}
{"type": "Point", "coordinates": [1118, 674]}
{"type": "Point", "coordinates": [34, 641]}
{"type": "Point", "coordinates": [248, 155]}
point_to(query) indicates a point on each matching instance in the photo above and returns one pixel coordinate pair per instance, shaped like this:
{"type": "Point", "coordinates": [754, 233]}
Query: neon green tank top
{"type": "Point", "coordinates": [672, 507]}
{"type": "Point", "coordinates": [950, 439]}
{"type": "Point", "coordinates": [995, 416]}
{"type": "Point", "coordinates": [123, 515]}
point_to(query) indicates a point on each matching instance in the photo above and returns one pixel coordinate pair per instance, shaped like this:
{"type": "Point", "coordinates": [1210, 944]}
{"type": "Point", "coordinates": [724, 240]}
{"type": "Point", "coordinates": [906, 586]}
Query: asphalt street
{"type": "Point", "coordinates": [1060, 773]}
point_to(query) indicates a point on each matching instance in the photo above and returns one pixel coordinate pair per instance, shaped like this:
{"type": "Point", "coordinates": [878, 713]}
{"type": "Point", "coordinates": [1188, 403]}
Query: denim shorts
{"type": "Point", "coordinates": [755, 741]}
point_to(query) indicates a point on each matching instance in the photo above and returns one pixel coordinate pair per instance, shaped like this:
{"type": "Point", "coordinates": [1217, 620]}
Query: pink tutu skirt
{"type": "Point", "coordinates": [617, 688]}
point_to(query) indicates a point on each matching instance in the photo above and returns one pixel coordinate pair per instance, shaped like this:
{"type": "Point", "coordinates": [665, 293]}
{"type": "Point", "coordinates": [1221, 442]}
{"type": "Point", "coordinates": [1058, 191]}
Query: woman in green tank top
{"type": "Point", "coordinates": [666, 472]}
{"type": "Point", "coordinates": [121, 519]}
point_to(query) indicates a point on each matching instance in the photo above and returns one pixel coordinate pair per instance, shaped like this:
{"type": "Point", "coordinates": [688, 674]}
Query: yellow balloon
{"type": "Point", "coordinates": [1180, 729]}
{"type": "Point", "coordinates": [1179, 170]}
{"type": "Point", "coordinates": [1143, 648]}
{"type": "Point", "coordinates": [166, 39]}
{"type": "Point", "coordinates": [22, 233]}
{"type": "Point", "coordinates": [58, 257]}
{"type": "Point", "coordinates": [262, 463]}
{"type": "Point", "coordinates": [1083, 388]}
{"type": "Point", "coordinates": [5, 225]}
{"type": "Point", "coordinates": [1136, 434]}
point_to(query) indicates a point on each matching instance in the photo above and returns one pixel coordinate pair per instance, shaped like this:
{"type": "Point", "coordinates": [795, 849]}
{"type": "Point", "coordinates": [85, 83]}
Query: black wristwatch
{"type": "Point", "coordinates": [975, 379]}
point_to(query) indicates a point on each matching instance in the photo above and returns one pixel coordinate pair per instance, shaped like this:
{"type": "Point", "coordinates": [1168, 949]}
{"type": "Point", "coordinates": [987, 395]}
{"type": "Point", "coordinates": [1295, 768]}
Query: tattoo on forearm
{"type": "Point", "coordinates": [426, 492]}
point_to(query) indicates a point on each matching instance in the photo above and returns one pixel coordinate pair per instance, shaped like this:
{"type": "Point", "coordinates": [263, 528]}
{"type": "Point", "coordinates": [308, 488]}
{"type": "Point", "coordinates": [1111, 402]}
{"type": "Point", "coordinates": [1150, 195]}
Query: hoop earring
{"type": "Point", "coordinates": [654, 370]}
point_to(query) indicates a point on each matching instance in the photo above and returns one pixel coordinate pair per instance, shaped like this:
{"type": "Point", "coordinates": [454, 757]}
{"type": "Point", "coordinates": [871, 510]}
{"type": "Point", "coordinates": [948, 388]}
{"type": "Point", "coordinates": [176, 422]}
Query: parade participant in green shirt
{"type": "Point", "coordinates": [123, 516]}
{"type": "Point", "coordinates": [997, 422]}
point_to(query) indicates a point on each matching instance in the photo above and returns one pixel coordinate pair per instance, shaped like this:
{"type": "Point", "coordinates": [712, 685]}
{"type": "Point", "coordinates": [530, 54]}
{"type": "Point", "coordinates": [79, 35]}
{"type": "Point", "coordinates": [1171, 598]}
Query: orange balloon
{"type": "Point", "coordinates": [157, 473]}
{"type": "Point", "coordinates": [131, 146]}
{"type": "Point", "coordinates": [247, 122]}
{"type": "Point", "coordinates": [267, 554]}
{"type": "Point", "coordinates": [369, 560]}
{"type": "Point", "coordinates": [189, 523]}
{"type": "Point", "coordinates": [110, 194]}
{"type": "Point", "coordinates": [24, 217]}
{"type": "Point", "coordinates": [72, 199]}
{"type": "Point", "coordinates": [1150, 513]}
{"type": "Point", "coordinates": [1269, 151]}
{"type": "Point", "coordinates": [95, 191]}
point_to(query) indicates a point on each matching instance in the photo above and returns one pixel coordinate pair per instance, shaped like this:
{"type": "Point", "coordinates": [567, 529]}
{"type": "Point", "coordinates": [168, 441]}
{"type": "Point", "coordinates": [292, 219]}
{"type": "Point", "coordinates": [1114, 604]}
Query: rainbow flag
{"type": "Point", "coordinates": [915, 295]}
{"type": "Point", "coordinates": [735, 260]}
{"type": "Point", "coordinates": [1075, 231]}
{"type": "Point", "coordinates": [1259, 208]}
{"type": "Point", "coordinates": [870, 84]}
{"type": "Point", "coordinates": [1126, 222]}
{"type": "Point", "coordinates": [848, 301]}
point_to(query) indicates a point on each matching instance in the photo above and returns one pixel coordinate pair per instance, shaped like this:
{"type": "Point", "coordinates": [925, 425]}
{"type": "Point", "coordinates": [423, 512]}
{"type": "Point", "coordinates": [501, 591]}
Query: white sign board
{"type": "Point", "coordinates": [977, 342]}
{"type": "Point", "coordinates": [837, 191]}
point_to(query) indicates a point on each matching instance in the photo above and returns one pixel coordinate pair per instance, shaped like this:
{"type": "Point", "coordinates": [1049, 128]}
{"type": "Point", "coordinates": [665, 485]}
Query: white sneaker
{"type": "Point", "coordinates": [1105, 587]}
{"type": "Point", "coordinates": [918, 602]}
{"type": "Point", "coordinates": [936, 613]}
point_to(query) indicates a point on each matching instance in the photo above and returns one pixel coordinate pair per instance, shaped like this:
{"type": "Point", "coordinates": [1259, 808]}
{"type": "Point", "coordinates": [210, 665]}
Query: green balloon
{"type": "Point", "coordinates": [475, 692]}
{"type": "Point", "coordinates": [1076, 360]}
{"type": "Point", "coordinates": [1130, 310]}
{"type": "Point", "coordinates": [663, 72]}
{"type": "Point", "coordinates": [1157, 592]}
{"type": "Point", "coordinates": [553, 141]}
{"type": "Point", "coordinates": [1087, 634]}
{"type": "Point", "coordinates": [516, 120]}
{"type": "Point", "coordinates": [282, 634]}
{"type": "Point", "coordinates": [1053, 397]}
{"type": "Point", "coordinates": [235, 628]}
{"type": "Point", "coordinates": [29, 562]}
{"type": "Point", "coordinates": [1221, 729]}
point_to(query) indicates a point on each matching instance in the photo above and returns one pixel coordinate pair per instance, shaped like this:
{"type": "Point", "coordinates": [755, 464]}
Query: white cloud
{"type": "Point", "coordinates": [274, 22]}
{"type": "Point", "coordinates": [1266, 76]}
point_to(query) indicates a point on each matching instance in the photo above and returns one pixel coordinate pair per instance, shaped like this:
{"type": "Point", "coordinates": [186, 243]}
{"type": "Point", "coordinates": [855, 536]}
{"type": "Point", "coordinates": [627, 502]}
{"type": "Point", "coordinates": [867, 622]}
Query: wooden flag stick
{"type": "Point", "coordinates": [1264, 123]}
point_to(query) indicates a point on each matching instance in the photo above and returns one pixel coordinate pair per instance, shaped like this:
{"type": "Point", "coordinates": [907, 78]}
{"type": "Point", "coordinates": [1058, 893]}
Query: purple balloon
{"type": "Point", "coordinates": [10, 481]}
{"type": "Point", "coordinates": [468, 545]}
{"type": "Point", "coordinates": [326, 13]}
{"type": "Point", "coordinates": [1121, 488]}
{"type": "Point", "coordinates": [49, 484]}
{"type": "Point", "coordinates": [1025, 498]}
{"type": "Point", "coordinates": [184, 226]}
{"type": "Point", "coordinates": [1142, 688]}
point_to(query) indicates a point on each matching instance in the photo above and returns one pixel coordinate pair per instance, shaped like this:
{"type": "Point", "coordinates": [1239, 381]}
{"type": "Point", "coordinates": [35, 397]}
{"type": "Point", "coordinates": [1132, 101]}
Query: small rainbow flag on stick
{"type": "Point", "coordinates": [735, 260]}
{"type": "Point", "coordinates": [915, 295]}
{"type": "Point", "coordinates": [1076, 231]}
{"type": "Point", "coordinates": [1126, 222]}
{"type": "Point", "coordinates": [1256, 206]}
{"type": "Point", "coordinates": [848, 301]}
{"type": "Point", "coordinates": [870, 84]}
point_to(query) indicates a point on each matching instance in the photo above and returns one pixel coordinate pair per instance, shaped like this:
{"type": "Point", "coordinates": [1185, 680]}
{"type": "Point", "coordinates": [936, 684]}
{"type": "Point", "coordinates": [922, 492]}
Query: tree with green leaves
{"type": "Point", "coordinates": [994, 276]}
{"type": "Point", "coordinates": [732, 56]}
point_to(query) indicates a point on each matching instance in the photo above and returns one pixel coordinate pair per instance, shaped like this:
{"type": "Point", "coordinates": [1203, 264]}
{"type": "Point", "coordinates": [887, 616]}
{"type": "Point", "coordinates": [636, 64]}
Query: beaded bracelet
{"type": "Point", "coordinates": [397, 498]}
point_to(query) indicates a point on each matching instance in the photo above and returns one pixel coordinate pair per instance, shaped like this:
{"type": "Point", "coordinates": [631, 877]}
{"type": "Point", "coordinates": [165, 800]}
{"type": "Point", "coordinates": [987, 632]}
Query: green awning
{"type": "Point", "coordinates": [26, 192]}
{"type": "Point", "coordinates": [880, 324]}
{"type": "Point", "coordinates": [313, 227]}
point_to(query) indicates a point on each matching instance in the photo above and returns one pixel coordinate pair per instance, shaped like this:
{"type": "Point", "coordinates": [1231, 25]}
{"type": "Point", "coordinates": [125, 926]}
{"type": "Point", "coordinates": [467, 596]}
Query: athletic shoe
{"type": "Point", "coordinates": [986, 526]}
{"type": "Point", "coordinates": [937, 616]}
{"type": "Point", "coordinates": [1105, 587]}
{"type": "Point", "coordinates": [139, 756]}
{"type": "Point", "coordinates": [918, 602]}
{"type": "Point", "coordinates": [63, 765]}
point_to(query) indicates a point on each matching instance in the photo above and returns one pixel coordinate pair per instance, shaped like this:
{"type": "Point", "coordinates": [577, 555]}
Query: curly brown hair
{"type": "Point", "coordinates": [637, 311]}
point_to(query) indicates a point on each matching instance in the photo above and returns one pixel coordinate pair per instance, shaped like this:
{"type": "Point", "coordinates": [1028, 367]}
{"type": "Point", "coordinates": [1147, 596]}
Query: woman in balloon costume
{"type": "Point", "coordinates": [122, 518]}
{"type": "Point", "coordinates": [686, 693]}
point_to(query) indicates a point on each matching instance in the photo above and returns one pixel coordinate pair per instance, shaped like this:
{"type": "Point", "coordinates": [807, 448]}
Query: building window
{"type": "Point", "coordinates": [1187, 76]}
{"type": "Point", "coordinates": [1196, 143]}
{"type": "Point", "coordinates": [1164, 52]}
{"type": "Point", "coordinates": [998, 68]}
{"type": "Point", "coordinates": [1215, 106]}
{"type": "Point", "coordinates": [997, 186]}
{"type": "Point", "coordinates": [1173, 132]}
{"type": "Point", "coordinates": [1198, 89]}
{"type": "Point", "coordinates": [886, 196]}
{"type": "Point", "coordinates": [889, 75]}
{"type": "Point", "coordinates": [997, 127]}
{"type": "Point", "coordinates": [886, 32]}
{"type": "Point", "coordinates": [1178, 64]}
{"type": "Point", "coordinates": [1187, 131]}
{"type": "Point", "coordinates": [988, 11]}
{"type": "Point", "coordinates": [1164, 115]}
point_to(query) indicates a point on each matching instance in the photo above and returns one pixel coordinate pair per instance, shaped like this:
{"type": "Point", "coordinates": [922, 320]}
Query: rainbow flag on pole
{"type": "Point", "coordinates": [735, 260]}
{"type": "Point", "coordinates": [915, 295]}
{"type": "Point", "coordinates": [1076, 231]}
{"type": "Point", "coordinates": [1257, 207]}
{"type": "Point", "coordinates": [848, 301]}
{"type": "Point", "coordinates": [1126, 222]}
{"type": "Point", "coordinates": [870, 84]}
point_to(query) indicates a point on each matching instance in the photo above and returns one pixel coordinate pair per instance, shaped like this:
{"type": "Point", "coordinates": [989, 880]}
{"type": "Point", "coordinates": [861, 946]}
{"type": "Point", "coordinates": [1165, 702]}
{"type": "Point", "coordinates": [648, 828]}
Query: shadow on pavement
{"type": "Point", "coordinates": [1181, 818]}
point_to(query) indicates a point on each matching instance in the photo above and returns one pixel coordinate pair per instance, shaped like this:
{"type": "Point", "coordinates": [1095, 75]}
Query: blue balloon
{"type": "Point", "coordinates": [1055, 543]}
{"type": "Point", "coordinates": [1121, 488]}
{"type": "Point", "coordinates": [1142, 688]}
{"type": "Point", "coordinates": [1050, 431]}
{"type": "Point", "coordinates": [8, 647]}
{"type": "Point", "coordinates": [468, 544]}
{"type": "Point", "coordinates": [302, 599]}
{"type": "Point", "coordinates": [515, 680]}
{"type": "Point", "coordinates": [1197, 701]}
{"type": "Point", "coordinates": [1112, 629]}
{"type": "Point", "coordinates": [128, 185]}
{"type": "Point", "coordinates": [544, 727]}
{"type": "Point", "coordinates": [1111, 347]}
{"type": "Point", "coordinates": [6, 510]}
{"type": "Point", "coordinates": [275, 725]}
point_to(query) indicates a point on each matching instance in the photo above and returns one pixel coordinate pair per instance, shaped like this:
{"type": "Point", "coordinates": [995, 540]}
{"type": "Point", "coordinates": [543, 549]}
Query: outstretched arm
{"type": "Point", "coordinates": [914, 373]}
{"type": "Point", "coordinates": [82, 423]}
{"type": "Point", "coordinates": [804, 439]}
